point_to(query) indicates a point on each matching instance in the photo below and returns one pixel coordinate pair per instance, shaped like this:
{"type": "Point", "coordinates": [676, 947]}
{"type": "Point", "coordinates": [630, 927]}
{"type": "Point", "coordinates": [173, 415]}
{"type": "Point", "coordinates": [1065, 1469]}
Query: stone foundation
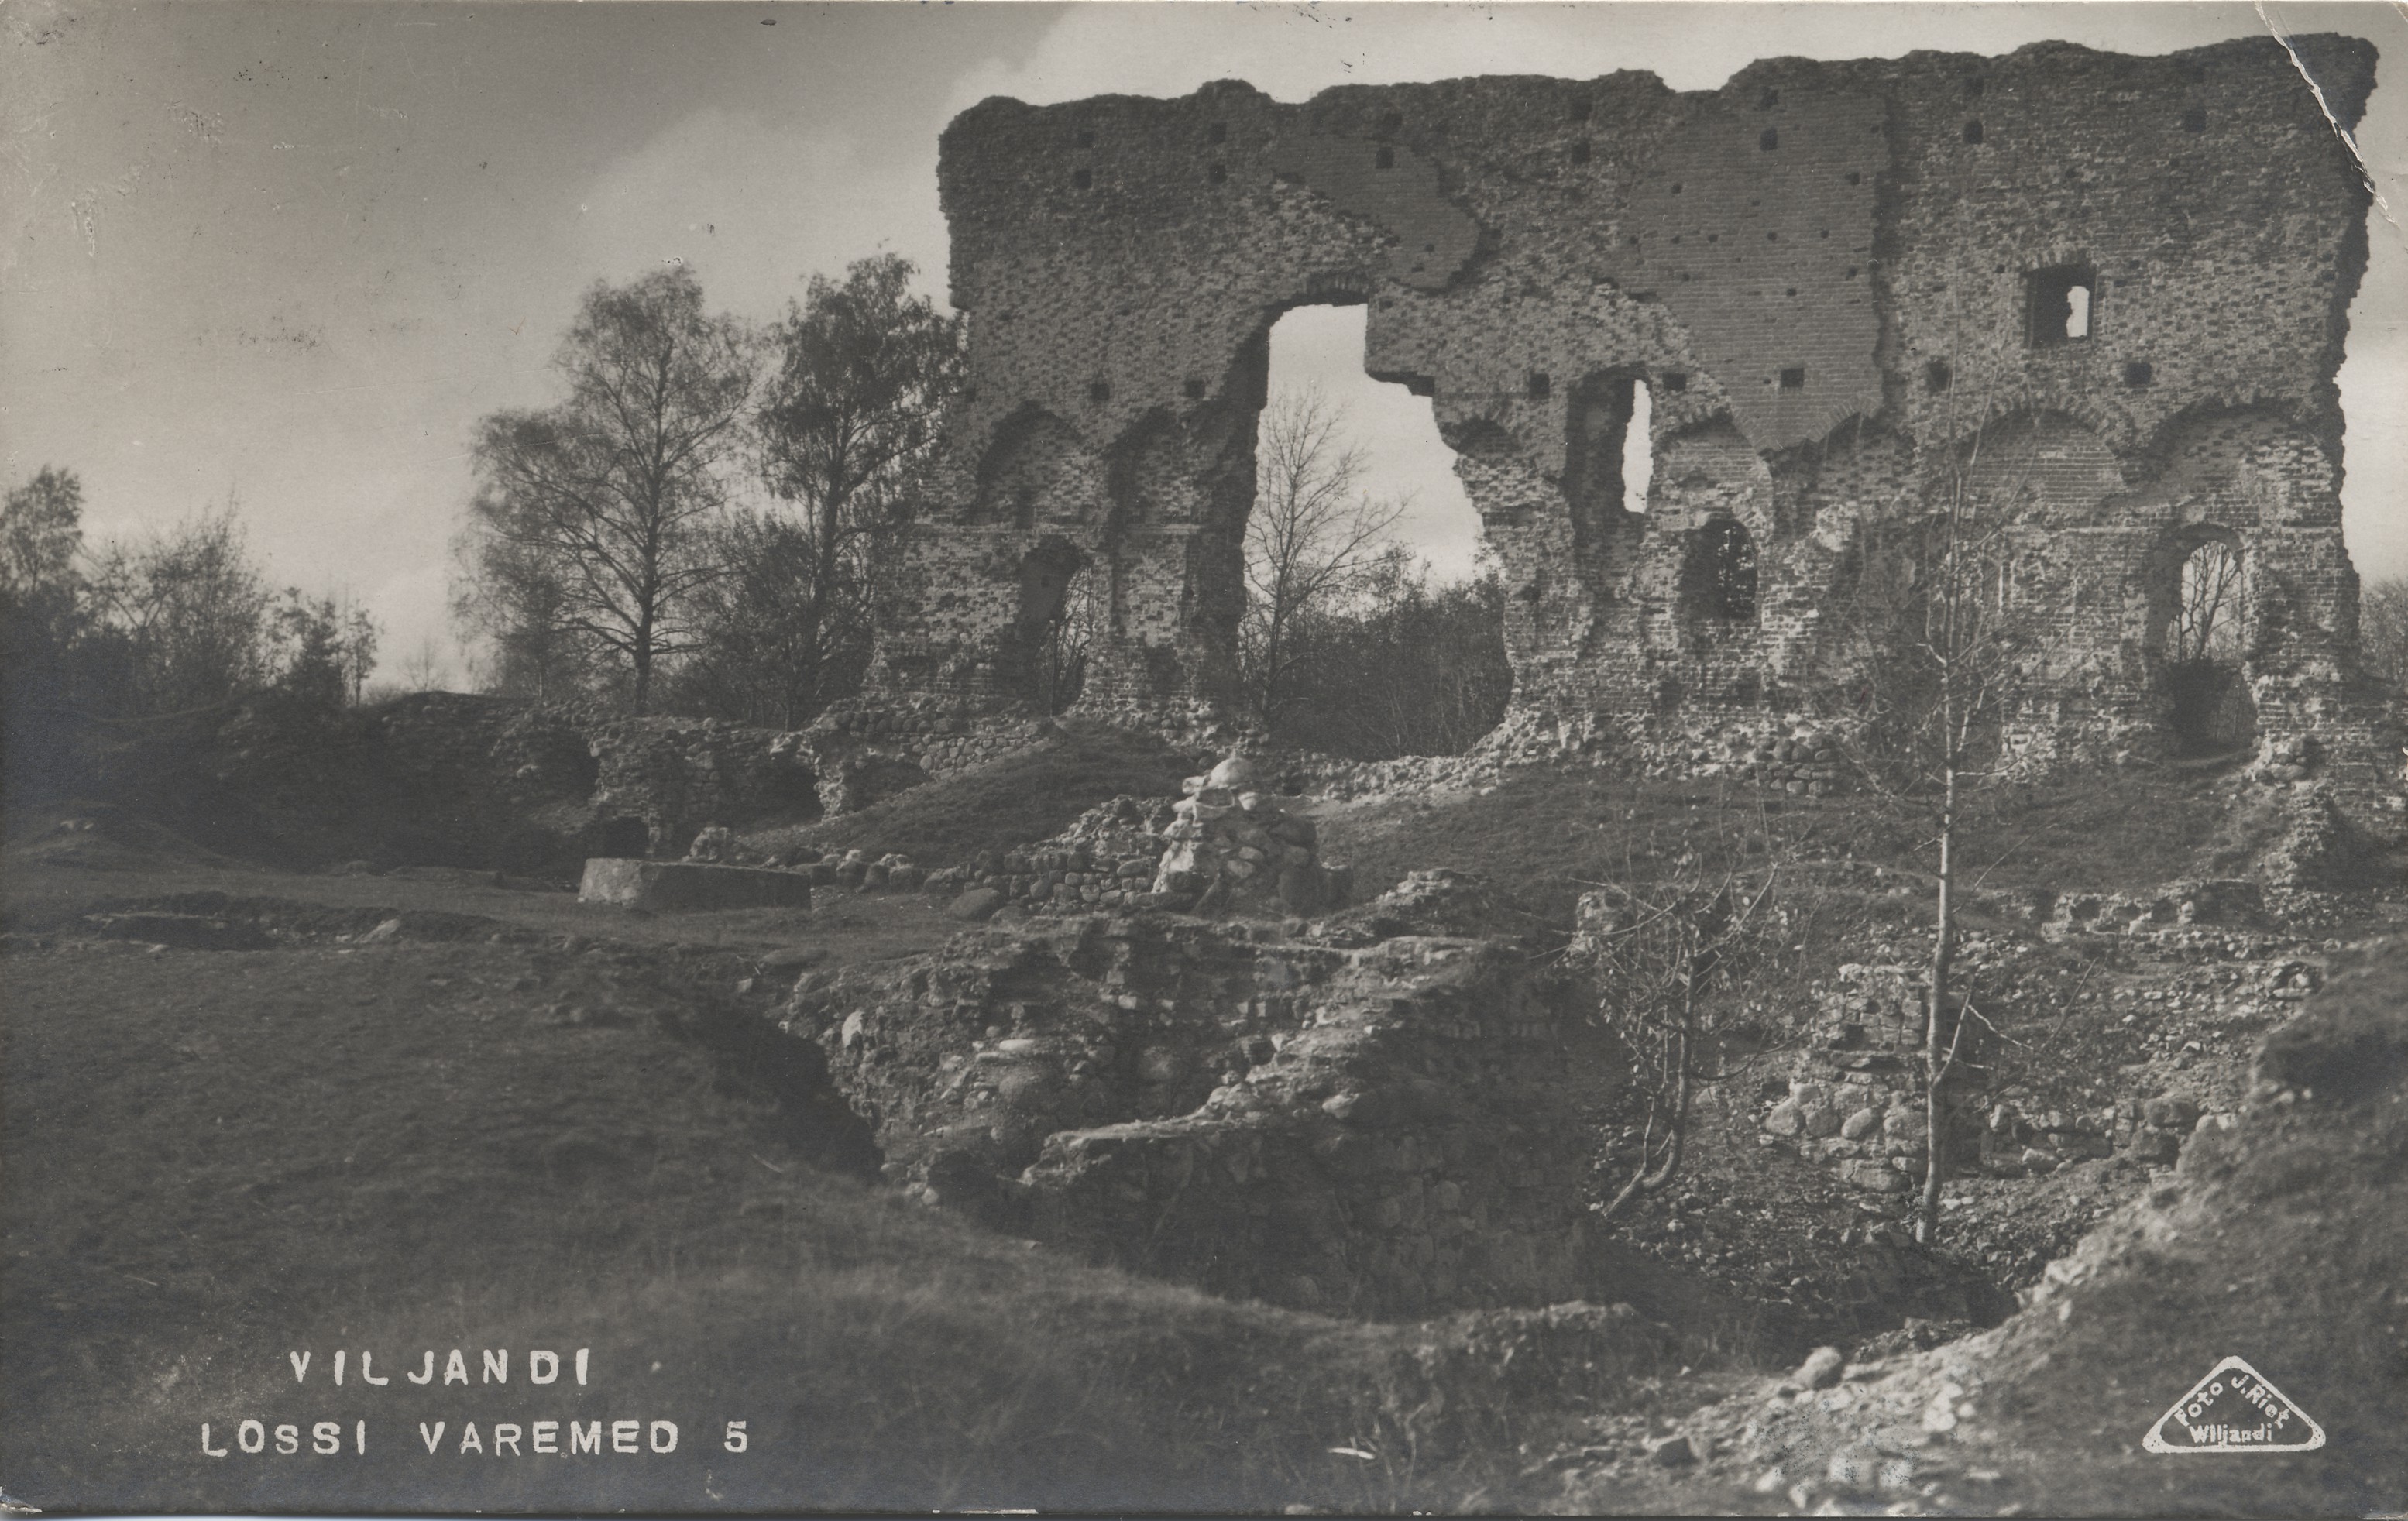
{"type": "Point", "coordinates": [686, 886]}
{"type": "Point", "coordinates": [1375, 1128]}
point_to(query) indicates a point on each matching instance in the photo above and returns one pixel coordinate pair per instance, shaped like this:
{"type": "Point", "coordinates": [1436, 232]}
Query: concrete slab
{"type": "Point", "coordinates": [672, 886]}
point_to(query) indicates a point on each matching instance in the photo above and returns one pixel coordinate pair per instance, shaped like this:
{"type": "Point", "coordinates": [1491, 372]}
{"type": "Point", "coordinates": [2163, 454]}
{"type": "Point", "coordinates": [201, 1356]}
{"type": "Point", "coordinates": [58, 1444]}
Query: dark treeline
{"type": "Point", "coordinates": [1346, 646]}
{"type": "Point", "coordinates": [1405, 668]}
{"type": "Point", "coordinates": [114, 639]}
{"type": "Point", "coordinates": [700, 525]}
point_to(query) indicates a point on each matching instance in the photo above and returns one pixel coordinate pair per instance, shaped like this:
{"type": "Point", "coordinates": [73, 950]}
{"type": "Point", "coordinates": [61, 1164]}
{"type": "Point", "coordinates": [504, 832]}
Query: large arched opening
{"type": "Point", "coordinates": [1374, 624]}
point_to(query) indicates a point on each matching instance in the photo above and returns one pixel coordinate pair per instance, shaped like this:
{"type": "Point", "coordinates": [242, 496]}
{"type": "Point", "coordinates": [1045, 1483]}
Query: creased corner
{"type": "Point", "coordinates": [2348, 138]}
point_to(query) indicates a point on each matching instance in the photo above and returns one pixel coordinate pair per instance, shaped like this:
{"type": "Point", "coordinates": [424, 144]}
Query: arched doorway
{"type": "Point", "coordinates": [2209, 709]}
{"type": "Point", "coordinates": [1368, 629]}
{"type": "Point", "coordinates": [1064, 605]}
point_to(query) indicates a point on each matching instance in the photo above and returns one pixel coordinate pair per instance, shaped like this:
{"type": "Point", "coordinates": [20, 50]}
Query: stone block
{"type": "Point", "coordinates": [1300, 889]}
{"type": "Point", "coordinates": [977, 904]}
{"type": "Point", "coordinates": [2175, 1111]}
{"type": "Point", "coordinates": [1905, 1127]}
{"type": "Point", "coordinates": [1875, 1177]}
{"type": "Point", "coordinates": [2159, 1147]}
{"type": "Point", "coordinates": [688, 886]}
{"type": "Point", "coordinates": [1820, 1370]}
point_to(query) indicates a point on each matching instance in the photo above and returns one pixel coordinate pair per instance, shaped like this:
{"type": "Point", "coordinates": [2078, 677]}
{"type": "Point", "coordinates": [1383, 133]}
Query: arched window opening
{"type": "Point", "coordinates": [1062, 611]}
{"type": "Point", "coordinates": [1722, 572]}
{"type": "Point", "coordinates": [2210, 712]}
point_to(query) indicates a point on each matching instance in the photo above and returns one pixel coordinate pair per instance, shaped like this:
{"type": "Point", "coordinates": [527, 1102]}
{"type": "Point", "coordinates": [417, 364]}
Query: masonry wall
{"type": "Point", "coordinates": [1832, 281]}
{"type": "Point", "coordinates": [1325, 1124]}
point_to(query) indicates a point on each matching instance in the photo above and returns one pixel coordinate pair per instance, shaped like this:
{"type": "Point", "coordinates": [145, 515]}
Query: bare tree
{"type": "Point", "coordinates": [606, 493]}
{"type": "Point", "coordinates": [424, 669]}
{"type": "Point", "coordinates": [1070, 638]}
{"type": "Point", "coordinates": [2204, 644]}
{"type": "Point", "coordinates": [1311, 541]}
{"type": "Point", "coordinates": [41, 534]}
{"type": "Point", "coordinates": [44, 617]}
{"type": "Point", "coordinates": [1938, 630]}
{"type": "Point", "coordinates": [1656, 951]}
{"type": "Point", "coordinates": [357, 647]}
{"type": "Point", "coordinates": [510, 600]}
{"type": "Point", "coordinates": [2207, 608]}
{"type": "Point", "coordinates": [191, 609]}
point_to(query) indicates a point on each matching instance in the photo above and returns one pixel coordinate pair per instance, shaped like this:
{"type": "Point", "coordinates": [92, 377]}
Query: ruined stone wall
{"type": "Point", "coordinates": [679, 775]}
{"type": "Point", "coordinates": [1331, 1120]}
{"type": "Point", "coordinates": [1846, 288]}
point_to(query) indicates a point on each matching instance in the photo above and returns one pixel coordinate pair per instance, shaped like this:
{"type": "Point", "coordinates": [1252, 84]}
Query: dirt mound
{"type": "Point", "coordinates": [1003, 804]}
{"type": "Point", "coordinates": [2279, 1239]}
{"type": "Point", "coordinates": [1439, 902]}
{"type": "Point", "coordinates": [100, 836]}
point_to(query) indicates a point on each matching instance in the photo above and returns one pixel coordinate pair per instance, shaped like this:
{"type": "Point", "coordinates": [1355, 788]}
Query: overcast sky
{"type": "Point", "coordinates": [292, 252]}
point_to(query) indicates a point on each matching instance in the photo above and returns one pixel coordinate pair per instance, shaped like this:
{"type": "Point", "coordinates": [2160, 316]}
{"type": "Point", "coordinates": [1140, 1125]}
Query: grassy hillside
{"type": "Point", "coordinates": [1550, 833]}
{"type": "Point", "coordinates": [471, 1133]}
{"type": "Point", "coordinates": [1012, 801]}
{"type": "Point", "coordinates": [510, 1121]}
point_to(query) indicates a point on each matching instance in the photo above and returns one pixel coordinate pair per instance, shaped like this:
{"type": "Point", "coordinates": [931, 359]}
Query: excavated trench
{"type": "Point", "coordinates": [1367, 1122]}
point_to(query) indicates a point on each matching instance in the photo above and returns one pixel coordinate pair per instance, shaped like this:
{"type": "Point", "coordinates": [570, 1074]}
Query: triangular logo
{"type": "Point", "coordinates": [2234, 1410]}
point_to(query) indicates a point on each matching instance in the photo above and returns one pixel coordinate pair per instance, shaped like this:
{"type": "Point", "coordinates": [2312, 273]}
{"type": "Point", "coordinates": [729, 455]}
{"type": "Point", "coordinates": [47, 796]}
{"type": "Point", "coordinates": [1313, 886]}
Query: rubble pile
{"type": "Point", "coordinates": [1370, 1128]}
{"type": "Point", "coordinates": [1234, 847]}
{"type": "Point", "coordinates": [1104, 861]}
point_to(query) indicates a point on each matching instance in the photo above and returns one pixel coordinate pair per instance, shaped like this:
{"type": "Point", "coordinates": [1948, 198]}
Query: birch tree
{"type": "Point", "coordinates": [607, 491]}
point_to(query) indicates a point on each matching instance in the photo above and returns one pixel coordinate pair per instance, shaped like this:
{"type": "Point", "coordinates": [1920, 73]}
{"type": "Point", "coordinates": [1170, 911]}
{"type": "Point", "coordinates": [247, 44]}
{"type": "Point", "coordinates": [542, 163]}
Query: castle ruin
{"type": "Point", "coordinates": [2103, 296]}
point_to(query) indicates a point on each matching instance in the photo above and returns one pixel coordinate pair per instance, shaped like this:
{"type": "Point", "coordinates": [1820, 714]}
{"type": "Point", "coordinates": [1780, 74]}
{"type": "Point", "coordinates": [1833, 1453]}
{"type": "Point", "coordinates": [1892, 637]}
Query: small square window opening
{"type": "Point", "coordinates": [2063, 305]}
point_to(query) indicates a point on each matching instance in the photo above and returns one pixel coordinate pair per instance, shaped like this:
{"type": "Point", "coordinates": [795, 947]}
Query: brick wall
{"type": "Point", "coordinates": [1843, 287]}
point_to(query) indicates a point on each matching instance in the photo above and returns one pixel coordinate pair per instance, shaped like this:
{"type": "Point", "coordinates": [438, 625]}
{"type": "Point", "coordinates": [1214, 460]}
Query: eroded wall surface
{"type": "Point", "coordinates": [1847, 290]}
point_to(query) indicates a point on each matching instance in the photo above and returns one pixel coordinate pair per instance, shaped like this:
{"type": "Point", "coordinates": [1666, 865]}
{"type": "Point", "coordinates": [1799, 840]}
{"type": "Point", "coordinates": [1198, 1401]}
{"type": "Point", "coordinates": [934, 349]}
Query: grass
{"type": "Point", "coordinates": [217, 1158]}
{"type": "Point", "coordinates": [1548, 835]}
{"type": "Point", "coordinates": [546, 1130]}
{"type": "Point", "coordinates": [1005, 803]}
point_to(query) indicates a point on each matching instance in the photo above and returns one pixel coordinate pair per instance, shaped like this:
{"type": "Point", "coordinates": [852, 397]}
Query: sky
{"type": "Point", "coordinates": [286, 254]}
